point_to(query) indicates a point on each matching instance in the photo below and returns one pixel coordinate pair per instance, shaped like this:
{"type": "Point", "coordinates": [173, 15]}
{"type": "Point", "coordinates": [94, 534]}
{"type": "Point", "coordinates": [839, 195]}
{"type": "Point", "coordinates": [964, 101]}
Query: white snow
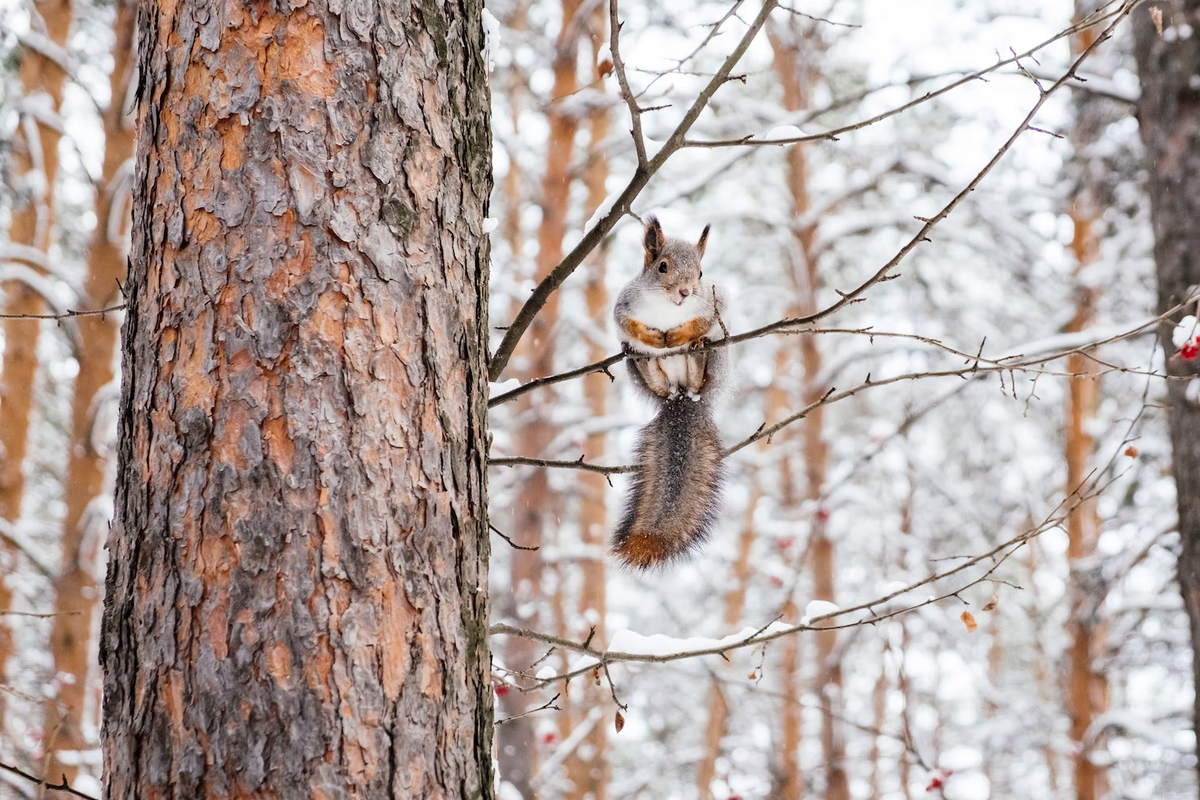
{"type": "Point", "coordinates": [507, 791]}
{"type": "Point", "coordinates": [782, 133]}
{"type": "Point", "coordinates": [602, 209]}
{"type": "Point", "coordinates": [626, 641]}
{"type": "Point", "coordinates": [1185, 331]}
{"type": "Point", "coordinates": [583, 662]}
{"type": "Point", "coordinates": [971, 786]}
{"type": "Point", "coordinates": [817, 608]}
{"type": "Point", "coordinates": [490, 224]}
{"type": "Point", "coordinates": [491, 30]}
{"type": "Point", "coordinates": [495, 389]}
{"type": "Point", "coordinates": [546, 673]}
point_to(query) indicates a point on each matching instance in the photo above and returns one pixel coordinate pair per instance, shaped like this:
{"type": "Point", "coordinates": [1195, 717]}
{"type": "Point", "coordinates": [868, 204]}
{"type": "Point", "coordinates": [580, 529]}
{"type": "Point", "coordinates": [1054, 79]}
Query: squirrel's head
{"type": "Point", "coordinates": [674, 263]}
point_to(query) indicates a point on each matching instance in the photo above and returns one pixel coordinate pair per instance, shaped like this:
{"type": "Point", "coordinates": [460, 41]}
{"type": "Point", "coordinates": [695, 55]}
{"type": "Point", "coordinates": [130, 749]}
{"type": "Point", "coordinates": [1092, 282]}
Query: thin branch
{"type": "Point", "coordinates": [641, 176]}
{"type": "Point", "coordinates": [635, 111]}
{"type": "Point", "coordinates": [845, 298]}
{"type": "Point", "coordinates": [818, 19]}
{"type": "Point", "coordinates": [549, 704]}
{"type": "Point", "coordinates": [580, 464]}
{"type": "Point", "coordinates": [68, 314]}
{"type": "Point", "coordinates": [59, 787]}
{"type": "Point", "coordinates": [998, 555]}
{"type": "Point", "coordinates": [513, 544]}
{"type": "Point", "coordinates": [1095, 19]}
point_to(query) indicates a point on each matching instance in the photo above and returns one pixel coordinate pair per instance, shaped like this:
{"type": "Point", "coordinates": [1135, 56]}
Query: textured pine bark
{"type": "Point", "coordinates": [75, 592]}
{"type": "Point", "coordinates": [1169, 116]}
{"type": "Point", "coordinates": [32, 218]}
{"type": "Point", "coordinates": [296, 600]}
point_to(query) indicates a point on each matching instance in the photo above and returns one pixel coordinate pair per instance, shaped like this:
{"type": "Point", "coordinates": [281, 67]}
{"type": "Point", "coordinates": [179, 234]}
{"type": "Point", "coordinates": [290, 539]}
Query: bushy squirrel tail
{"type": "Point", "coordinates": [673, 501]}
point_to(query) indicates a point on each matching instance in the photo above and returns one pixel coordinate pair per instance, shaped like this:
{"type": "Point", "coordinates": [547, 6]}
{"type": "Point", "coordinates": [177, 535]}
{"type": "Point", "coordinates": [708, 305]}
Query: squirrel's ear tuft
{"type": "Point", "coordinates": [653, 239]}
{"type": "Point", "coordinates": [703, 240]}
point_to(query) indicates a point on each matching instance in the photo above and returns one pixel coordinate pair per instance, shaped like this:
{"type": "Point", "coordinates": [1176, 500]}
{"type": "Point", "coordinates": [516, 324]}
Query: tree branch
{"type": "Point", "coordinates": [1089, 22]}
{"type": "Point", "coordinates": [641, 176]}
{"type": "Point", "coordinates": [59, 787]}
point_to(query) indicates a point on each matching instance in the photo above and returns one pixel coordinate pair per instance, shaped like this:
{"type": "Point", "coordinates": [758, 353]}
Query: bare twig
{"type": "Point", "coordinates": [531, 308]}
{"type": "Point", "coordinates": [513, 544]}
{"type": "Point", "coordinates": [68, 314]}
{"type": "Point", "coordinates": [635, 111]}
{"type": "Point", "coordinates": [641, 176]}
{"type": "Point", "coordinates": [58, 787]}
{"type": "Point", "coordinates": [549, 704]}
{"type": "Point", "coordinates": [1096, 18]}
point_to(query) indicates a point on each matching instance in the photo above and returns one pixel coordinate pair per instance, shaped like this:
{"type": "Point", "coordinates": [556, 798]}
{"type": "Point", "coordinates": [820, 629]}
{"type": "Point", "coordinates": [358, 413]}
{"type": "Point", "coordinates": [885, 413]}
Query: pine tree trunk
{"type": "Point", "coordinates": [587, 767]}
{"type": "Point", "coordinates": [1087, 690]}
{"type": "Point", "coordinates": [296, 602]}
{"type": "Point", "coordinates": [1169, 116]}
{"type": "Point", "coordinates": [794, 52]}
{"type": "Point", "coordinates": [32, 220]}
{"type": "Point", "coordinates": [735, 602]}
{"type": "Point", "coordinates": [534, 506]}
{"type": "Point", "coordinates": [75, 593]}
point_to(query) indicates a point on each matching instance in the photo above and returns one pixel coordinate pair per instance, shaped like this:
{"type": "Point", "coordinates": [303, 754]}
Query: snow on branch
{"type": "Point", "coordinates": [646, 169]}
{"type": "Point", "coordinates": [627, 646]}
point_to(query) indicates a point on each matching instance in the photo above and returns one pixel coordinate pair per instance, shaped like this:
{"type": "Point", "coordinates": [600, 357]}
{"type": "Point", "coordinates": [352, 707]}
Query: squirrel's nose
{"type": "Point", "coordinates": [684, 292]}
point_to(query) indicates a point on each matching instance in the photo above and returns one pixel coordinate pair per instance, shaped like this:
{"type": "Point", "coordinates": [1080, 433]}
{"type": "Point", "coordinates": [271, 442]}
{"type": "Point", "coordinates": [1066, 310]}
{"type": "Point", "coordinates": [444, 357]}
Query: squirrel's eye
{"type": "Point", "coordinates": [662, 266]}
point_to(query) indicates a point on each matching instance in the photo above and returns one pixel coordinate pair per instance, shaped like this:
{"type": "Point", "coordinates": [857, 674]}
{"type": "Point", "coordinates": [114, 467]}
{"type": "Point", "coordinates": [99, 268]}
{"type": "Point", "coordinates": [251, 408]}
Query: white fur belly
{"type": "Point", "coordinates": [656, 310]}
{"type": "Point", "coordinates": [675, 368]}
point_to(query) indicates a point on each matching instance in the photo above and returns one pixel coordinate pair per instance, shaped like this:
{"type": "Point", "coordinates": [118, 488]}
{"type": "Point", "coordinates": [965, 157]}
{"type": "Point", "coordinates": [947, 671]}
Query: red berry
{"type": "Point", "coordinates": [549, 737]}
{"type": "Point", "coordinates": [785, 543]}
{"type": "Point", "coordinates": [936, 783]}
{"type": "Point", "coordinates": [1190, 350]}
{"type": "Point", "coordinates": [823, 515]}
{"type": "Point", "coordinates": [501, 690]}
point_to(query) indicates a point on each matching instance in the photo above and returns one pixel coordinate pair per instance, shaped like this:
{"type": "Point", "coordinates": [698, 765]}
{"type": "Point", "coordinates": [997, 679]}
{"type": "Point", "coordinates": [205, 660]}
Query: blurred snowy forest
{"type": "Point", "coordinates": [962, 474]}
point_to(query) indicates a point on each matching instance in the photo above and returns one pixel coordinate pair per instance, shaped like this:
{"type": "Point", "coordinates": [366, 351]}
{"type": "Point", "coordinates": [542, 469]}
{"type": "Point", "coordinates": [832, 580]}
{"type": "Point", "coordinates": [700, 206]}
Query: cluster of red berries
{"type": "Point", "coordinates": [1190, 350]}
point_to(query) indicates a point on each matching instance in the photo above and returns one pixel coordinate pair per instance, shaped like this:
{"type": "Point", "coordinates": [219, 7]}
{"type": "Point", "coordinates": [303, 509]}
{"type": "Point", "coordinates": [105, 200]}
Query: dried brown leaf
{"type": "Point", "coordinates": [619, 722]}
{"type": "Point", "coordinates": [1131, 451]}
{"type": "Point", "coordinates": [969, 621]}
{"type": "Point", "coordinates": [1156, 15]}
{"type": "Point", "coordinates": [991, 604]}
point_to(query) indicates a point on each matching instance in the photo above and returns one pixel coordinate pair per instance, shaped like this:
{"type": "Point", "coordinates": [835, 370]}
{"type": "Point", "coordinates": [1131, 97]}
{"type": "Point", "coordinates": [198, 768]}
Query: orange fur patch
{"type": "Point", "coordinates": [651, 337]}
{"type": "Point", "coordinates": [688, 332]}
{"type": "Point", "coordinates": [642, 550]}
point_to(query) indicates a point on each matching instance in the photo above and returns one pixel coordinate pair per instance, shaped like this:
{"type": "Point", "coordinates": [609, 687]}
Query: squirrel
{"type": "Point", "coordinates": [664, 315]}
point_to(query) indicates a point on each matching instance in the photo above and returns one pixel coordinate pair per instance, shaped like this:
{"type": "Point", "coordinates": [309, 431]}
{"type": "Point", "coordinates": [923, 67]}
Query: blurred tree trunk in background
{"type": "Point", "coordinates": [1087, 690]}
{"type": "Point", "coordinates": [587, 767]}
{"type": "Point", "coordinates": [796, 47]}
{"type": "Point", "coordinates": [735, 602]}
{"type": "Point", "coordinates": [35, 165]}
{"type": "Point", "coordinates": [535, 504]}
{"type": "Point", "coordinates": [296, 599]}
{"type": "Point", "coordinates": [1169, 116]}
{"type": "Point", "coordinates": [85, 525]}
